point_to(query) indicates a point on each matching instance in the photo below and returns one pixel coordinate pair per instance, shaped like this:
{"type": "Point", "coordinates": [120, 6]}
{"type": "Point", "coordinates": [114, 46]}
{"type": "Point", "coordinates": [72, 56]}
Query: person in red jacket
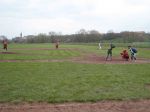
{"type": "Point", "coordinates": [125, 55]}
{"type": "Point", "coordinates": [5, 44]}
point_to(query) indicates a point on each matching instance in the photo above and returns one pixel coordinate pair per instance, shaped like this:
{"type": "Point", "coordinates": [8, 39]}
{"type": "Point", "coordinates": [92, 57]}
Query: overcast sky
{"type": "Point", "coordinates": [69, 16]}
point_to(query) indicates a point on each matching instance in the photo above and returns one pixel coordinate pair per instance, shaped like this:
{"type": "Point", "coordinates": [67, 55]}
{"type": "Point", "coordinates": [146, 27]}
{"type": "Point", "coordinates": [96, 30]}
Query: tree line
{"type": "Point", "coordinates": [83, 36]}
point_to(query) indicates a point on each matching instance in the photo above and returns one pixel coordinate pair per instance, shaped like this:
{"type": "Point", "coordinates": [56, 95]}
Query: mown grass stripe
{"type": "Point", "coordinates": [59, 82]}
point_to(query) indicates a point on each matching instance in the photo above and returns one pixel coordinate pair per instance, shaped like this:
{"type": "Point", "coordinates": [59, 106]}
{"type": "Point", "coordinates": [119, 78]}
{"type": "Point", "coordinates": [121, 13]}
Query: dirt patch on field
{"type": "Point", "coordinates": [103, 106]}
{"type": "Point", "coordinates": [34, 60]}
{"type": "Point", "coordinates": [23, 53]}
{"type": "Point", "coordinates": [147, 86]}
{"type": "Point", "coordinates": [94, 58]}
{"type": "Point", "coordinates": [86, 59]}
{"type": "Point", "coordinates": [9, 53]}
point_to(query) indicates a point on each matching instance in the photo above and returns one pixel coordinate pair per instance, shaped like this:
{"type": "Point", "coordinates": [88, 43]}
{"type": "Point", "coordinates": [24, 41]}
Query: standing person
{"type": "Point", "coordinates": [5, 44]}
{"type": "Point", "coordinates": [109, 52]}
{"type": "Point", "coordinates": [133, 52]}
{"type": "Point", "coordinates": [100, 47]}
{"type": "Point", "coordinates": [57, 44]}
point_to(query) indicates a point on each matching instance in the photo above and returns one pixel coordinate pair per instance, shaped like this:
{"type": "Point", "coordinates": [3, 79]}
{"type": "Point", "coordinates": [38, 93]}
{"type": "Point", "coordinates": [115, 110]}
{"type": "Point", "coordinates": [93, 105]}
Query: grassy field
{"type": "Point", "coordinates": [68, 81]}
{"type": "Point", "coordinates": [37, 51]}
{"type": "Point", "coordinates": [60, 82]}
{"type": "Point", "coordinates": [25, 51]}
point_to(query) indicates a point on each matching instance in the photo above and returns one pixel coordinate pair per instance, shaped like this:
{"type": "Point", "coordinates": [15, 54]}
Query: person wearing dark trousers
{"type": "Point", "coordinates": [109, 52]}
{"type": "Point", "coordinates": [5, 44]}
{"type": "Point", "coordinates": [133, 52]}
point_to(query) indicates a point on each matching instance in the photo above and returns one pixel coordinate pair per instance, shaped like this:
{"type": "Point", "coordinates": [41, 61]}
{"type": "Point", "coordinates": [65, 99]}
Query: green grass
{"type": "Point", "coordinates": [61, 82]}
{"type": "Point", "coordinates": [66, 81]}
{"type": "Point", "coordinates": [42, 45]}
{"type": "Point", "coordinates": [39, 54]}
{"type": "Point", "coordinates": [61, 54]}
{"type": "Point", "coordinates": [30, 51]}
{"type": "Point", "coordinates": [142, 44]}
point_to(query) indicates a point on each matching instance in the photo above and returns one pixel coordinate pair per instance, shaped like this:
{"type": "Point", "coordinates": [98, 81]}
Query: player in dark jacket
{"type": "Point", "coordinates": [57, 44]}
{"type": "Point", "coordinates": [133, 52]}
{"type": "Point", "coordinates": [109, 52]}
{"type": "Point", "coordinates": [5, 44]}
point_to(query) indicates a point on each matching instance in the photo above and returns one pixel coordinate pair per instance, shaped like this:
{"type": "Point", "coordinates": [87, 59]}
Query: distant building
{"type": "Point", "coordinates": [21, 34]}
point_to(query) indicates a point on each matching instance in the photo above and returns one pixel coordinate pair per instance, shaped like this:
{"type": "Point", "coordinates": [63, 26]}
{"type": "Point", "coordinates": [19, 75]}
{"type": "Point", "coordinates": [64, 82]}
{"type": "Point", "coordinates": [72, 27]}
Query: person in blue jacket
{"type": "Point", "coordinates": [133, 52]}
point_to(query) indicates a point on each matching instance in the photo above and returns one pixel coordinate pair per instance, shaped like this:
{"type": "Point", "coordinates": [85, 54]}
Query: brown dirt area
{"type": "Point", "coordinates": [103, 106]}
{"type": "Point", "coordinates": [85, 58]}
{"type": "Point", "coordinates": [96, 59]}
{"type": "Point", "coordinates": [8, 53]}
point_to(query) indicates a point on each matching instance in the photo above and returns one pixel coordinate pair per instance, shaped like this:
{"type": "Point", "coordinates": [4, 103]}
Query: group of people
{"type": "Point", "coordinates": [124, 54]}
